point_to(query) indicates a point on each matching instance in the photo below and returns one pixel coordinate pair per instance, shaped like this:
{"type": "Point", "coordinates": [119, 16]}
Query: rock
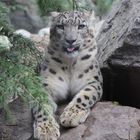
{"type": "Point", "coordinates": [23, 32]}
{"type": "Point", "coordinates": [19, 127]}
{"type": "Point", "coordinates": [124, 66]}
{"type": "Point", "coordinates": [98, 26]}
{"type": "Point", "coordinates": [26, 16]}
{"type": "Point", "coordinates": [5, 43]}
{"type": "Point", "coordinates": [44, 31]}
{"type": "Point", "coordinates": [41, 42]}
{"type": "Point", "coordinates": [107, 121]}
{"type": "Point", "coordinates": [124, 58]}
{"type": "Point", "coordinates": [119, 47]}
{"type": "Point", "coordinates": [122, 25]}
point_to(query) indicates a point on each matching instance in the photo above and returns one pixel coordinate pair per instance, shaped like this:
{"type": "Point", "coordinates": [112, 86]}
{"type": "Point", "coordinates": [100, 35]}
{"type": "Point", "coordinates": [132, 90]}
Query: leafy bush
{"type": "Point", "coordinates": [17, 67]}
{"type": "Point", "coordinates": [54, 5]}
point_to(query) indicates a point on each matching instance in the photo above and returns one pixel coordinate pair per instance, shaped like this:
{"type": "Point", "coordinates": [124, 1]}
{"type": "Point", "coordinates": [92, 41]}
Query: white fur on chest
{"type": "Point", "coordinates": [72, 84]}
{"type": "Point", "coordinates": [76, 83]}
{"type": "Point", "coordinates": [59, 89]}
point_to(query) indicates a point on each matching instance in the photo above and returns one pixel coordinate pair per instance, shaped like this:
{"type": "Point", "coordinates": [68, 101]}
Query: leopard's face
{"type": "Point", "coordinates": [68, 32]}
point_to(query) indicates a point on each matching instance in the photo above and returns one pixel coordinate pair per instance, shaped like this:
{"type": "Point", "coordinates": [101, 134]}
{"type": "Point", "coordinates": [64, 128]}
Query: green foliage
{"type": "Point", "coordinates": [63, 5]}
{"type": "Point", "coordinates": [17, 68]}
{"type": "Point", "coordinates": [13, 5]}
{"type": "Point", "coordinates": [54, 5]}
{"type": "Point", "coordinates": [4, 20]}
{"type": "Point", "coordinates": [103, 6]}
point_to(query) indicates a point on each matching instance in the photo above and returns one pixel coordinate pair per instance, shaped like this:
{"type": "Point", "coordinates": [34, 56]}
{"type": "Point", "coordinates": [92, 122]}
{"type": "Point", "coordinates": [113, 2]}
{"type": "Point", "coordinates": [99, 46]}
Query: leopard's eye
{"type": "Point", "coordinates": [60, 27]}
{"type": "Point", "coordinates": [81, 26]}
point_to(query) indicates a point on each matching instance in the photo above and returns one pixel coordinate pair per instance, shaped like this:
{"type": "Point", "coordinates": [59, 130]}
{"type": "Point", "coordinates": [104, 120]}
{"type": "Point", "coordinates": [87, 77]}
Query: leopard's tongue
{"type": "Point", "coordinates": [70, 49]}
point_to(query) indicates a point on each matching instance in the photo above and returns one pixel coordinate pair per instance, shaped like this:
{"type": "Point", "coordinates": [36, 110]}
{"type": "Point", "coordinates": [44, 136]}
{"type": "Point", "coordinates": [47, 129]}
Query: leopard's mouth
{"type": "Point", "coordinates": [71, 49]}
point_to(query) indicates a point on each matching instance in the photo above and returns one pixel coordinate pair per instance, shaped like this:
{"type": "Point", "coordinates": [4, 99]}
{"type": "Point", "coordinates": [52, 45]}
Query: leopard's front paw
{"type": "Point", "coordinates": [46, 130]}
{"type": "Point", "coordinates": [73, 116]}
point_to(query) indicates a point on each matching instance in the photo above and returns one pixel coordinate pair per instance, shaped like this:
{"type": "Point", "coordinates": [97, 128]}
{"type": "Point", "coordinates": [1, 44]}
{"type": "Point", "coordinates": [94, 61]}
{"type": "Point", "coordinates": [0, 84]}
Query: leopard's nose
{"type": "Point", "coordinates": [70, 41]}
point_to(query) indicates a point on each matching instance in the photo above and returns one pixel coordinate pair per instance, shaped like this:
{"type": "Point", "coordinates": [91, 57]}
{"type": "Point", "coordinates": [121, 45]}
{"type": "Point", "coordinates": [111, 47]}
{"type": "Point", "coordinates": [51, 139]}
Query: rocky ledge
{"type": "Point", "coordinates": [107, 121]}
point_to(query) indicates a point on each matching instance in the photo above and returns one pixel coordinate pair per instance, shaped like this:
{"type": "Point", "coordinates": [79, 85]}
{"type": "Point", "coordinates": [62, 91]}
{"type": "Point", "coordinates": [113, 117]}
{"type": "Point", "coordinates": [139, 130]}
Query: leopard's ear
{"type": "Point", "coordinates": [53, 17]}
{"type": "Point", "coordinates": [89, 15]}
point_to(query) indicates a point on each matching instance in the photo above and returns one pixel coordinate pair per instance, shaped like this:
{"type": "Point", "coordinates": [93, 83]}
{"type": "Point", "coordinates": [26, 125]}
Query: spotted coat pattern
{"type": "Point", "coordinates": [69, 70]}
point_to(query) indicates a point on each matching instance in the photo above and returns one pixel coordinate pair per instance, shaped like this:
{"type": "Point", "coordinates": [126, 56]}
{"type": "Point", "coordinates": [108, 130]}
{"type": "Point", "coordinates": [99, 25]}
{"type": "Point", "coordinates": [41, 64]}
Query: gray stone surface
{"type": "Point", "coordinates": [19, 126]}
{"type": "Point", "coordinates": [107, 121]}
{"type": "Point", "coordinates": [27, 16]}
{"type": "Point", "coordinates": [119, 53]}
{"type": "Point", "coordinates": [126, 57]}
{"type": "Point", "coordinates": [122, 25]}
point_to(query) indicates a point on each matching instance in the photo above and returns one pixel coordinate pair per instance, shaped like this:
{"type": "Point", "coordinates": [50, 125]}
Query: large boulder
{"type": "Point", "coordinates": [107, 121]}
{"type": "Point", "coordinates": [119, 51]}
{"type": "Point", "coordinates": [122, 25]}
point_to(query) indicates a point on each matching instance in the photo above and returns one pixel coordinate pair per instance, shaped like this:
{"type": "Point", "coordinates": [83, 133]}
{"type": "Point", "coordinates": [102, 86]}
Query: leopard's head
{"type": "Point", "coordinates": [69, 32]}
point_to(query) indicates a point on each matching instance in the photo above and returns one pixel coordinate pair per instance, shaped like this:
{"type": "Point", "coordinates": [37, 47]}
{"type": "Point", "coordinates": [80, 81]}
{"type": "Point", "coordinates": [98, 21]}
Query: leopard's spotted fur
{"type": "Point", "coordinates": [70, 68]}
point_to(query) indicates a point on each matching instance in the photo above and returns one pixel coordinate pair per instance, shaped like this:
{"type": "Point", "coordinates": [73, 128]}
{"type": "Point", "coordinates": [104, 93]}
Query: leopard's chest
{"type": "Point", "coordinates": [80, 76]}
{"type": "Point", "coordinates": [68, 78]}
